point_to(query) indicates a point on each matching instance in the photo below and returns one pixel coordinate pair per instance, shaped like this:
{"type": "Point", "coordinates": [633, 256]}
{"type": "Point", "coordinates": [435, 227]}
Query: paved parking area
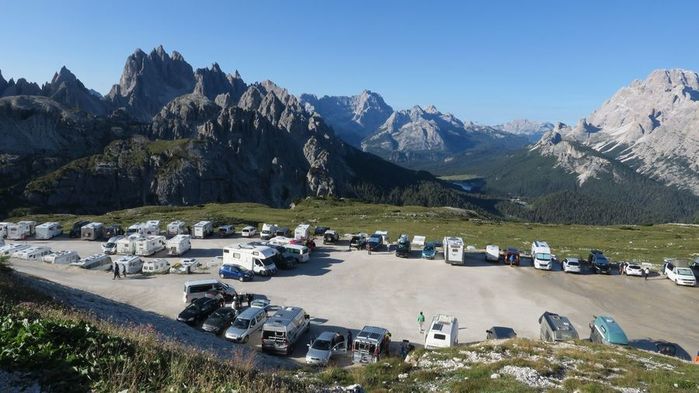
{"type": "Point", "coordinates": [344, 289]}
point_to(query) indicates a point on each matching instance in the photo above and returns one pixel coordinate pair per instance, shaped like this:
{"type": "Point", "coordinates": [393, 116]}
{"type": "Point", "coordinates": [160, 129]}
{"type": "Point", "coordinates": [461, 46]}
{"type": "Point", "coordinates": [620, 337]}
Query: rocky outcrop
{"type": "Point", "coordinates": [69, 91]}
{"type": "Point", "coordinates": [20, 87]}
{"type": "Point", "coordinates": [149, 81]}
{"type": "Point", "coordinates": [212, 83]}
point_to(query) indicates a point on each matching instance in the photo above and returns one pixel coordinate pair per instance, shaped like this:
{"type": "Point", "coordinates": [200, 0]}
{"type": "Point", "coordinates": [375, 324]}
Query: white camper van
{"type": "Point", "coordinates": [178, 245]}
{"type": "Point", "coordinates": [202, 229]}
{"type": "Point", "coordinates": [136, 229]}
{"type": "Point", "coordinates": [453, 250]}
{"type": "Point", "coordinates": [9, 249]}
{"type": "Point", "coordinates": [94, 262]}
{"type": "Point", "coordinates": [541, 255]}
{"type": "Point", "coordinates": [152, 228]}
{"type": "Point", "coordinates": [268, 231]}
{"type": "Point", "coordinates": [283, 330]}
{"type": "Point", "coordinates": [48, 230]}
{"type": "Point", "coordinates": [63, 257]}
{"type": "Point", "coordinates": [492, 253]}
{"type": "Point", "coordinates": [176, 228]}
{"type": "Point", "coordinates": [248, 231]}
{"type": "Point", "coordinates": [133, 264]}
{"type": "Point", "coordinates": [258, 259]}
{"type": "Point", "coordinates": [127, 245]}
{"type": "Point", "coordinates": [149, 245]}
{"type": "Point", "coordinates": [156, 266]}
{"type": "Point", "coordinates": [302, 232]}
{"type": "Point", "coordinates": [443, 332]}
{"type": "Point", "coordinates": [32, 253]}
{"type": "Point", "coordinates": [297, 251]}
{"type": "Point", "coordinates": [20, 231]}
{"type": "Point", "coordinates": [280, 240]}
{"type": "Point", "coordinates": [92, 231]}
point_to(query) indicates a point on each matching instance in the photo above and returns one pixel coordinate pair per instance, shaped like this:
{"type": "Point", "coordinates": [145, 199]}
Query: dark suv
{"type": "Point", "coordinates": [358, 242]}
{"type": "Point", "coordinates": [598, 262]}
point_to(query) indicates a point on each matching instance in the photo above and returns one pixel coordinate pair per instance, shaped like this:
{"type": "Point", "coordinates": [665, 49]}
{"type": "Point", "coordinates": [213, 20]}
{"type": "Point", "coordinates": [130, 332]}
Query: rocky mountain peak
{"type": "Point", "coordinates": [63, 76]}
{"type": "Point", "coordinates": [20, 87]}
{"type": "Point", "coordinates": [67, 89]}
{"type": "Point", "coordinates": [212, 82]}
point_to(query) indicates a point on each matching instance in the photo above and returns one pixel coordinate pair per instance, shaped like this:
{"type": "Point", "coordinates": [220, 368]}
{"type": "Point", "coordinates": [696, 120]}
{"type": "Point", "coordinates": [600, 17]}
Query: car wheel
{"type": "Point", "coordinates": [241, 279]}
{"type": "Point", "coordinates": [221, 275]}
{"type": "Point", "coordinates": [245, 339]}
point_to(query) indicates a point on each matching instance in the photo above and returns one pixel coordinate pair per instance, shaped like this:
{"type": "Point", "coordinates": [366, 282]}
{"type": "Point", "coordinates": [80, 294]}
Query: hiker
{"type": "Point", "coordinates": [646, 272]}
{"type": "Point", "coordinates": [124, 270]}
{"type": "Point", "coordinates": [115, 268]}
{"type": "Point", "coordinates": [421, 321]}
{"type": "Point", "coordinates": [349, 339]}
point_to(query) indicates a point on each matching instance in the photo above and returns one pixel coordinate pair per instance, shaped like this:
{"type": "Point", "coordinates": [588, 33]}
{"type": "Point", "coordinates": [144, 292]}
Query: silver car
{"type": "Point", "coordinates": [327, 345]}
{"type": "Point", "coordinates": [571, 265]}
{"type": "Point", "coordinates": [248, 322]}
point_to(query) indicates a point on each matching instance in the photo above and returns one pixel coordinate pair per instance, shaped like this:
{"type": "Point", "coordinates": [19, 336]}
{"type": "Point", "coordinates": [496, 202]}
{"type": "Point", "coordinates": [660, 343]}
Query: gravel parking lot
{"type": "Point", "coordinates": [344, 289]}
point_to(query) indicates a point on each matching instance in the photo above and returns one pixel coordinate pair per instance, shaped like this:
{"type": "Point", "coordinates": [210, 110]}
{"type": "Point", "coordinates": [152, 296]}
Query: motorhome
{"type": "Point", "coordinates": [443, 332]}
{"type": "Point", "coordinates": [453, 250]}
{"type": "Point", "coordinates": [284, 329]}
{"type": "Point", "coordinates": [178, 245]}
{"type": "Point", "coordinates": [132, 264]}
{"type": "Point", "coordinates": [32, 253]}
{"type": "Point", "coordinates": [3, 229]}
{"type": "Point", "coordinates": [48, 230]}
{"type": "Point", "coordinates": [151, 228]}
{"type": "Point", "coordinates": [280, 240]}
{"type": "Point", "coordinates": [18, 231]}
{"type": "Point", "coordinates": [492, 253]}
{"type": "Point", "coordinates": [248, 231]}
{"type": "Point", "coordinates": [149, 245]}
{"type": "Point", "coordinates": [136, 229]}
{"type": "Point", "coordinates": [9, 249]}
{"type": "Point", "coordinates": [94, 262]}
{"type": "Point", "coordinates": [92, 231]}
{"type": "Point", "coordinates": [156, 266]}
{"type": "Point", "coordinates": [127, 245]}
{"type": "Point", "coordinates": [226, 230]}
{"type": "Point", "coordinates": [403, 246]}
{"type": "Point", "coordinates": [302, 232]}
{"type": "Point", "coordinates": [371, 345]}
{"type": "Point", "coordinates": [258, 259]}
{"type": "Point", "coordinates": [268, 231]}
{"type": "Point", "coordinates": [63, 257]}
{"type": "Point", "coordinates": [202, 229]}
{"type": "Point", "coordinates": [199, 288]}
{"type": "Point", "coordinates": [110, 247]}
{"type": "Point", "coordinates": [554, 327]}
{"type": "Point", "coordinates": [176, 228]}
{"type": "Point", "coordinates": [29, 224]}
{"type": "Point", "coordinates": [541, 255]}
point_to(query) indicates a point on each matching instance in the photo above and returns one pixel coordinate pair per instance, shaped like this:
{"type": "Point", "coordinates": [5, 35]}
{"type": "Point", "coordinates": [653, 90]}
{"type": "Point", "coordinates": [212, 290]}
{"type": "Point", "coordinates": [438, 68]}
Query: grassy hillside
{"type": "Point", "coordinates": [645, 243]}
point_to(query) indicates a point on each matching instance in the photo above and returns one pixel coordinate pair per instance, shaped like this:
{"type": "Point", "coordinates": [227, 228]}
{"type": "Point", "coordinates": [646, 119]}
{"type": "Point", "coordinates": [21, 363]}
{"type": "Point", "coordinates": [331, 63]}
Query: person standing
{"type": "Point", "coordinates": [124, 270]}
{"type": "Point", "coordinates": [349, 339]}
{"type": "Point", "coordinates": [115, 268]}
{"type": "Point", "coordinates": [421, 321]}
{"type": "Point", "coordinates": [645, 273]}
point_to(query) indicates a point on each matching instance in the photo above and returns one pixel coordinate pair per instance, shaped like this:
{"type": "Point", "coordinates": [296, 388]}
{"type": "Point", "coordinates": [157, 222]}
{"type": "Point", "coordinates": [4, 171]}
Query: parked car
{"type": "Point", "coordinates": [598, 262]}
{"type": "Point", "coordinates": [374, 243]}
{"type": "Point", "coordinates": [605, 330]}
{"type": "Point", "coordinates": [680, 275]}
{"type": "Point", "coordinates": [248, 231]}
{"type": "Point", "coordinates": [429, 251]}
{"type": "Point", "coordinates": [282, 231]}
{"type": "Point", "coordinates": [110, 246]}
{"type": "Point", "coordinates": [666, 348]}
{"type": "Point", "coordinates": [512, 256]}
{"type": "Point", "coordinates": [219, 320]}
{"type": "Point", "coordinates": [500, 333]}
{"type": "Point", "coordinates": [320, 231]}
{"type": "Point", "coordinates": [324, 347]}
{"type": "Point", "coordinates": [199, 310]}
{"type": "Point", "coordinates": [75, 231]}
{"type": "Point", "coordinates": [358, 242]}
{"type": "Point", "coordinates": [330, 237]}
{"type": "Point", "coordinates": [249, 321]}
{"type": "Point", "coordinates": [283, 260]}
{"type": "Point", "coordinates": [261, 303]}
{"type": "Point", "coordinates": [634, 269]}
{"type": "Point", "coordinates": [571, 265]}
{"type": "Point", "coordinates": [554, 327]}
{"type": "Point", "coordinates": [235, 272]}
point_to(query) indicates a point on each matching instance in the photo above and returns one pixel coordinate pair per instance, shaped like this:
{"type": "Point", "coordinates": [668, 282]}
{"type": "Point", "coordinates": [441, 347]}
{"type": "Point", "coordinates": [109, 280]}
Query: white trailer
{"type": "Point", "coordinates": [132, 264]}
{"type": "Point", "coordinates": [258, 259]}
{"type": "Point", "coordinates": [48, 230]}
{"type": "Point", "coordinates": [32, 253]}
{"type": "Point", "coordinates": [9, 249]}
{"type": "Point", "coordinates": [127, 245]}
{"type": "Point", "coordinates": [92, 231]}
{"type": "Point", "coordinates": [302, 232]}
{"type": "Point", "coordinates": [541, 255]}
{"type": "Point", "coordinates": [443, 332]}
{"type": "Point", "coordinates": [178, 245]}
{"type": "Point", "coordinates": [176, 228]}
{"type": "Point", "coordinates": [492, 253]}
{"type": "Point", "coordinates": [453, 250]}
{"type": "Point", "coordinates": [202, 229]}
{"type": "Point", "coordinates": [3, 229]}
{"type": "Point", "coordinates": [156, 266]}
{"type": "Point", "coordinates": [63, 257]}
{"type": "Point", "coordinates": [149, 245]}
{"type": "Point", "coordinates": [94, 262]}
{"type": "Point", "coordinates": [280, 240]}
{"type": "Point", "coordinates": [18, 231]}
{"type": "Point", "coordinates": [151, 228]}
{"type": "Point", "coordinates": [29, 224]}
{"type": "Point", "coordinates": [136, 229]}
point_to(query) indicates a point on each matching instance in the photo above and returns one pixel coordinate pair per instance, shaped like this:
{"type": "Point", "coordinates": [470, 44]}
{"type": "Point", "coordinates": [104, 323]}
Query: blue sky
{"type": "Point", "coordinates": [486, 61]}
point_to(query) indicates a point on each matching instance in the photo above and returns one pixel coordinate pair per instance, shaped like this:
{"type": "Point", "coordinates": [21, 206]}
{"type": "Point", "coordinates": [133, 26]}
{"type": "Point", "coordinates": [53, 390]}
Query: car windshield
{"type": "Point", "coordinates": [241, 323]}
{"type": "Point", "coordinates": [375, 239]}
{"type": "Point", "coordinates": [110, 245]}
{"type": "Point", "coordinates": [268, 261]}
{"type": "Point", "coordinates": [222, 312]}
{"type": "Point", "coordinates": [633, 267]}
{"type": "Point", "coordinates": [601, 260]}
{"type": "Point", "coordinates": [543, 256]}
{"type": "Point", "coordinates": [321, 345]}
{"type": "Point", "coordinates": [428, 248]}
{"type": "Point", "coordinates": [683, 271]}
{"type": "Point", "coordinates": [573, 263]}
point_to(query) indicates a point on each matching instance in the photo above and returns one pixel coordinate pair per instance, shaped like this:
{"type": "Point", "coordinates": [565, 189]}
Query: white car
{"type": "Point", "coordinates": [680, 275]}
{"type": "Point", "coordinates": [571, 265]}
{"type": "Point", "coordinates": [634, 269]}
{"type": "Point", "coordinates": [248, 231]}
{"type": "Point", "coordinates": [324, 347]}
{"type": "Point", "coordinates": [110, 246]}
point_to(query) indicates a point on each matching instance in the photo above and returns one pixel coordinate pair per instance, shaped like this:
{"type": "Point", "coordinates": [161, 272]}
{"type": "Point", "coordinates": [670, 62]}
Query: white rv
{"type": "Point", "coordinates": [248, 231]}
{"type": "Point", "coordinates": [133, 264]}
{"type": "Point", "coordinates": [3, 229]}
{"type": "Point", "coordinates": [136, 229]}
{"type": "Point", "coordinates": [302, 232]}
{"type": "Point", "coordinates": [453, 250]}
{"type": "Point", "coordinates": [127, 245]}
{"type": "Point", "coordinates": [268, 231]}
{"type": "Point", "coordinates": [176, 228]}
{"type": "Point", "coordinates": [419, 241]}
{"type": "Point", "coordinates": [151, 228]}
{"type": "Point", "coordinates": [29, 224]}
{"type": "Point", "coordinates": [63, 257]}
{"type": "Point", "coordinates": [149, 245]}
{"type": "Point", "coordinates": [202, 229]}
{"type": "Point", "coordinates": [178, 245]}
{"type": "Point", "coordinates": [9, 249]}
{"type": "Point", "coordinates": [258, 259]}
{"type": "Point", "coordinates": [19, 231]}
{"type": "Point", "coordinates": [48, 230]}
{"type": "Point", "coordinates": [443, 332]}
{"type": "Point", "coordinates": [280, 240]}
{"type": "Point", "coordinates": [92, 231]}
{"type": "Point", "coordinates": [283, 330]}
{"type": "Point", "coordinates": [492, 253]}
{"type": "Point", "coordinates": [541, 255]}
{"type": "Point", "coordinates": [94, 262]}
{"type": "Point", "coordinates": [156, 266]}
{"type": "Point", "coordinates": [32, 253]}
